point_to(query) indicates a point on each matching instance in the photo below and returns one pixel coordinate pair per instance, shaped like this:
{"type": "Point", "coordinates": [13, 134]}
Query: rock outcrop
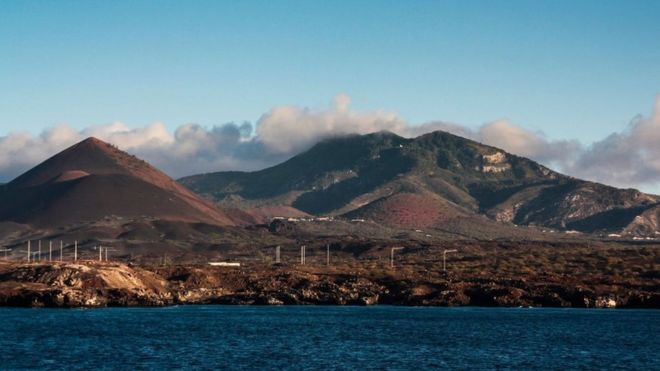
{"type": "Point", "coordinates": [117, 284]}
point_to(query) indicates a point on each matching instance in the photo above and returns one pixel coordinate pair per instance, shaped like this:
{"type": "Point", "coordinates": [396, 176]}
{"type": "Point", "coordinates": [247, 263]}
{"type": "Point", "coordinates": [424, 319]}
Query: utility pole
{"type": "Point", "coordinates": [392, 255]}
{"type": "Point", "coordinates": [106, 249]}
{"type": "Point", "coordinates": [277, 254]}
{"type": "Point", "coordinates": [444, 259]}
{"type": "Point", "coordinates": [75, 251]}
{"type": "Point", "coordinates": [100, 253]}
{"type": "Point", "coordinates": [61, 248]}
{"type": "Point", "coordinates": [39, 259]}
{"type": "Point", "coordinates": [5, 251]}
{"type": "Point", "coordinates": [50, 251]}
{"type": "Point", "coordinates": [28, 257]}
{"type": "Point", "coordinates": [302, 255]}
{"type": "Point", "coordinates": [327, 254]}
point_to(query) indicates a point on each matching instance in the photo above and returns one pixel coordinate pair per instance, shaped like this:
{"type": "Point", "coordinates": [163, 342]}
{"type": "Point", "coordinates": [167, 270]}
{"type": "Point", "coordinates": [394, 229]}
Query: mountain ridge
{"type": "Point", "coordinates": [340, 175]}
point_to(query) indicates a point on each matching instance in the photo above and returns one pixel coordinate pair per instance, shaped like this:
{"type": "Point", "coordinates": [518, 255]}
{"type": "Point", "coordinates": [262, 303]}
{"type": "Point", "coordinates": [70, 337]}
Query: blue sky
{"type": "Point", "coordinates": [575, 70]}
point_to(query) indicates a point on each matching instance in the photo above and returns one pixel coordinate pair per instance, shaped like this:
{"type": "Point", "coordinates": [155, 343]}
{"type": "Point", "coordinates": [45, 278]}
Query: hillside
{"type": "Point", "coordinates": [379, 176]}
{"type": "Point", "coordinates": [92, 180]}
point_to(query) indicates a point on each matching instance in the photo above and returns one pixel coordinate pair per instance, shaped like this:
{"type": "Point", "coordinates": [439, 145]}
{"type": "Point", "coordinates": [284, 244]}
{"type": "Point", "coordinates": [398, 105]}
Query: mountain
{"type": "Point", "coordinates": [93, 180]}
{"type": "Point", "coordinates": [428, 180]}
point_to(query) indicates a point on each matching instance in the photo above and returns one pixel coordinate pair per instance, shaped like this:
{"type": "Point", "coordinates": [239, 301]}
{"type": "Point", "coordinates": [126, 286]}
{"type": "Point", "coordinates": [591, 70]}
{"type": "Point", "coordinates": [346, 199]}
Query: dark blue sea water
{"type": "Point", "coordinates": [317, 337]}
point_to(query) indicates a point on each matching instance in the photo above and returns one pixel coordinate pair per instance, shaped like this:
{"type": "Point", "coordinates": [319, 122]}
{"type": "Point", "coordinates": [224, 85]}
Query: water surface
{"type": "Point", "coordinates": [319, 337]}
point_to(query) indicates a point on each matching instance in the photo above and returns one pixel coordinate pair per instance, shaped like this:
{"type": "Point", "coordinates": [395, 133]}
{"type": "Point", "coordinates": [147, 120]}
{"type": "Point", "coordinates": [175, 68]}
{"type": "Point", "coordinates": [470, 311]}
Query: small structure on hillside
{"type": "Point", "coordinates": [224, 264]}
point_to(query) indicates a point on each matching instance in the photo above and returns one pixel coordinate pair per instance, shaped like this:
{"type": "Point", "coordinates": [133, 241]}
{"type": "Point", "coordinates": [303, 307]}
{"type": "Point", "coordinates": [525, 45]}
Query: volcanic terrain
{"type": "Point", "coordinates": [373, 216]}
{"type": "Point", "coordinates": [93, 180]}
{"type": "Point", "coordinates": [429, 180]}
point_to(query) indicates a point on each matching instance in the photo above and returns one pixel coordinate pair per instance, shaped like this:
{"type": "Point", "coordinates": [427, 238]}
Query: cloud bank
{"type": "Point", "coordinates": [630, 158]}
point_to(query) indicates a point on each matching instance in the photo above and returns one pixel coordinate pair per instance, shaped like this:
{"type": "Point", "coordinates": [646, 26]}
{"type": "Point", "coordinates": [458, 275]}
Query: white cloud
{"type": "Point", "coordinates": [511, 137]}
{"type": "Point", "coordinates": [289, 129]}
{"type": "Point", "coordinates": [630, 158]}
{"type": "Point", "coordinates": [155, 134]}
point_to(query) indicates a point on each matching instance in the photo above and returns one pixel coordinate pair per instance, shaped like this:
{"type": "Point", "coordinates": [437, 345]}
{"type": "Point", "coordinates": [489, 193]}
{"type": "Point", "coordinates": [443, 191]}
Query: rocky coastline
{"type": "Point", "coordinates": [115, 284]}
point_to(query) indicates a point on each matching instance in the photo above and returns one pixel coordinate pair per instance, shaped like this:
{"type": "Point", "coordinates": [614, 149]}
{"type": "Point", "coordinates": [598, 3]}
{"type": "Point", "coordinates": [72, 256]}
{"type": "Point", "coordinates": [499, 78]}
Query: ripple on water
{"type": "Point", "coordinates": [326, 337]}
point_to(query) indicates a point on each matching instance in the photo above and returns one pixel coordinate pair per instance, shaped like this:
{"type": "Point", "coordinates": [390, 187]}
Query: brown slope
{"type": "Point", "coordinates": [94, 179]}
{"type": "Point", "coordinates": [409, 210]}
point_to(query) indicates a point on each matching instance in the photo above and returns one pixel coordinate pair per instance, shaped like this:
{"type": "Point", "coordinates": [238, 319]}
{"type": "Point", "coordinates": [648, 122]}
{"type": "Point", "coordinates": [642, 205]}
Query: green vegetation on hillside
{"type": "Point", "coordinates": [341, 174]}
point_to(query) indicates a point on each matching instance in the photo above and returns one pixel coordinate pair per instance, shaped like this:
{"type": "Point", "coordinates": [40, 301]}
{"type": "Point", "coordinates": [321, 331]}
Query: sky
{"type": "Point", "coordinates": [201, 86]}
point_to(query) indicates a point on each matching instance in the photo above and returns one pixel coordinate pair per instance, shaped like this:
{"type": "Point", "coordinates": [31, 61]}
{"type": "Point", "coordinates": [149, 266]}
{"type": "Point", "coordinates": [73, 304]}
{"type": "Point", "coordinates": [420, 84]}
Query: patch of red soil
{"type": "Point", "coordinates": [408, 210]}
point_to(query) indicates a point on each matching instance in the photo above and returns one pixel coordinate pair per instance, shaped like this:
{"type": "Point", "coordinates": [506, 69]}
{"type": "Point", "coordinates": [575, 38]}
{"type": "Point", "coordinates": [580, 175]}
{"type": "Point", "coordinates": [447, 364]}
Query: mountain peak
{"type": "Point", "coordinates": [92, 156]}
{"type": "Point", "coordinates": [94, 141]}
{"type": "Point", "coordinates": [92, 179]}
{"type": "Point", "coordinates": [382, 176]}
{"type": "Point", "coordinates": [95, 144]}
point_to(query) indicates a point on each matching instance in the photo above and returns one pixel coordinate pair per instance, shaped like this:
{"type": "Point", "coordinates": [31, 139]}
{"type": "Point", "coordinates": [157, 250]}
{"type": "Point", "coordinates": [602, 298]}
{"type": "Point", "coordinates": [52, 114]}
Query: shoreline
{"type": "Point", "coordinates": [115, 284]}
{"type": "Point", "coordinates": [199, 305]}
{"type": "Point", "coordinates": [170, 306]}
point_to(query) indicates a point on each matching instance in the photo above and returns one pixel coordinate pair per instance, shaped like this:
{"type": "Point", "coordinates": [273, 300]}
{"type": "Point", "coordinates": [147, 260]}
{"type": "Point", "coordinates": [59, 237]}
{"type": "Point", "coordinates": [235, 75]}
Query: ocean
{"type": "Point", "coordinates": [328, 337]}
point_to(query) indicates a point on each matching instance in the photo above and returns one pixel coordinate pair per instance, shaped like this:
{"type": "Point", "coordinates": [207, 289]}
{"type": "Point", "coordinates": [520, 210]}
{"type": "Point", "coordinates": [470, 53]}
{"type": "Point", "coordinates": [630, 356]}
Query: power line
{"type": "Point", "coordinates": [392, 255]}
{"type": "Point", "coordinates": [5, 251]}
{"type": "Point", "coordinates": [106, 249]}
